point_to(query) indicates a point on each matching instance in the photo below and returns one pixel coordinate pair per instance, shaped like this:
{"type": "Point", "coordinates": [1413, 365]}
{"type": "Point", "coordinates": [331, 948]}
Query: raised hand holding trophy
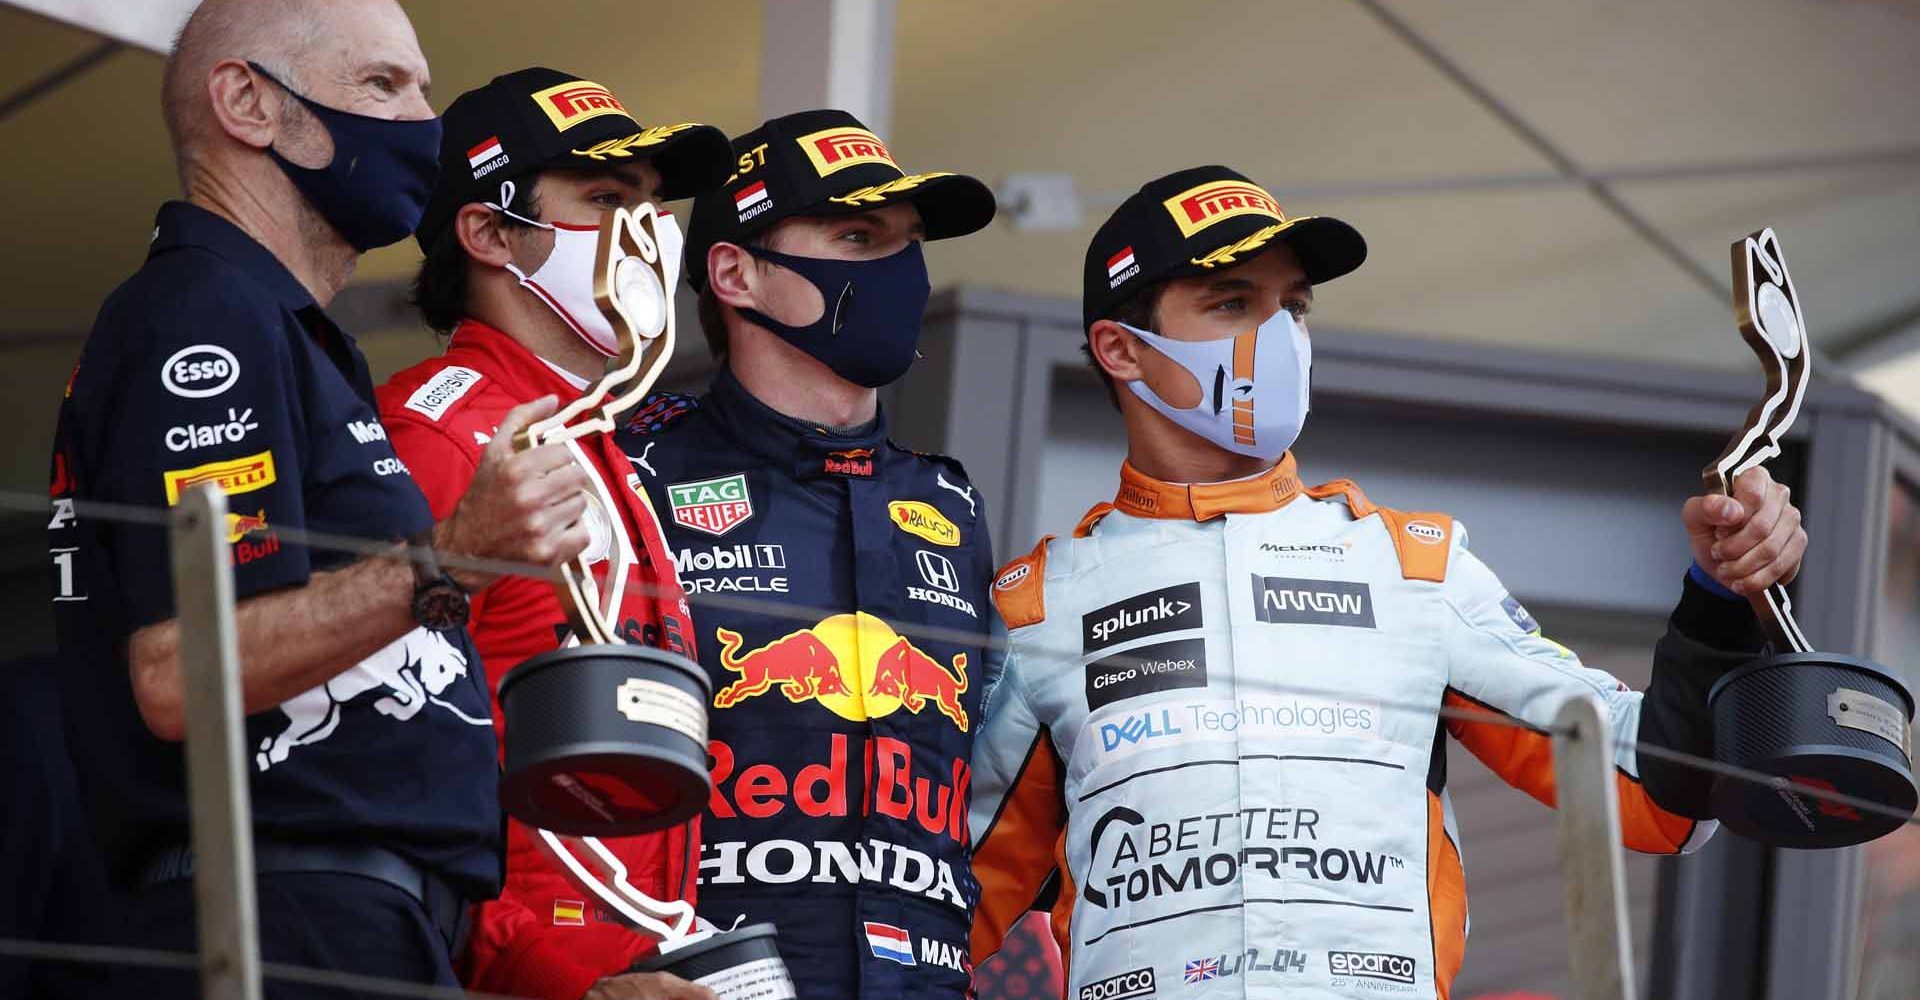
{"type": "Point", "coordinates": [1823, 720]}
{"type": "Point", "coordinates": [605, 737]}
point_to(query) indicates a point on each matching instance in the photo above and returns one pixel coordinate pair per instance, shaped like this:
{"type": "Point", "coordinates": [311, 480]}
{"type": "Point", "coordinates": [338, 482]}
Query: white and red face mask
{"type": "Point", "coordinates": [564, 281]}
{"type": "Point", "coordinates": [1253, 387]}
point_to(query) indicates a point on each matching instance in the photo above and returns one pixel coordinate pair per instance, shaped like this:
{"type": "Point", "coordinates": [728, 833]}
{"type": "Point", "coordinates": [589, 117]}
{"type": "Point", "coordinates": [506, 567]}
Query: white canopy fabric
{"type": "Point", "coordinates": [1475, 233]}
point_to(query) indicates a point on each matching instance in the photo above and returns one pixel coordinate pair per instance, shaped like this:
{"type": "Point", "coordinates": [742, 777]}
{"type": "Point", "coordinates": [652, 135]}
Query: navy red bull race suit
{"type": "Point", "coordinates": [839, 745]}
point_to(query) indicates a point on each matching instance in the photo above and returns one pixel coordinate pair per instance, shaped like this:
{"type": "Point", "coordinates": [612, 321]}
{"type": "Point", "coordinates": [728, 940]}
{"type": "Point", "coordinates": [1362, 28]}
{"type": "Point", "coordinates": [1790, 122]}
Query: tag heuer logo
{"type": "Point", "coordinates": [715, 506]}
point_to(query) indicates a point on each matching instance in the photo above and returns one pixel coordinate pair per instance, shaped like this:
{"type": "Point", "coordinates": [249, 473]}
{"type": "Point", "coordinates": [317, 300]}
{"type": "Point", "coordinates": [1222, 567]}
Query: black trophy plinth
{"type": "Point", "coordinates": [1837, 723]}
{"type": "Point", "coordinates": [740, 964]}
{"type": "Point", "coordinates": [605, 740]}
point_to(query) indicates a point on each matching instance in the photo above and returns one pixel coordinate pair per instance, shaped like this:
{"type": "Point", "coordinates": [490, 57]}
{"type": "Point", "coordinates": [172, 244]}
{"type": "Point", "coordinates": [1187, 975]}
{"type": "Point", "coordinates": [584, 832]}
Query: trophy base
{"type": "Point", "coordinates": [740, 964]}
{"type": "Point", "coordinates": [1820, 719]}
{"type": "Point", "coordinates": [605, 740]}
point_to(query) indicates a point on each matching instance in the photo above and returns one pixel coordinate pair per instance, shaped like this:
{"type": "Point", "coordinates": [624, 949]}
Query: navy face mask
{"type": "Point", "coordinates": [871, 322]}
{"type": "Point", "coordinates": [376, 188]}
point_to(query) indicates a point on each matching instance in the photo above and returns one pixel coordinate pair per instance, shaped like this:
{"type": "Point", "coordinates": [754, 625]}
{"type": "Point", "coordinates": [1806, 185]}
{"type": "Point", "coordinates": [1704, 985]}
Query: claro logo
{"type": "Point", "coordinates": [1371, 965]}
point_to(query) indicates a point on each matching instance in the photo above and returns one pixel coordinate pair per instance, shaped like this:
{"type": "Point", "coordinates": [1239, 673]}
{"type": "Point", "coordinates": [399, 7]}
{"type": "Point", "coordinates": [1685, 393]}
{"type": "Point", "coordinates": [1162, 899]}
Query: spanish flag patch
{"type": "Point", "coordinates": [569, 913]}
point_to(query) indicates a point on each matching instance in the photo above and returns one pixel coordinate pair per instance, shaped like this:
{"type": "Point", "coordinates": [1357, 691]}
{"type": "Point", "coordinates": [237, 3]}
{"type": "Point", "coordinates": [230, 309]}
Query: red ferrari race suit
{"type": "Point", "coordinates": [542, 937]}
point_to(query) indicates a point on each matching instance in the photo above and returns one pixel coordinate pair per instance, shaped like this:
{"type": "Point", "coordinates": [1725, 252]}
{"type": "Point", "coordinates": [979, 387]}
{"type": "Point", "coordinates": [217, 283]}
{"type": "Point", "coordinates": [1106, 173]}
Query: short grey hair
{"type": "Point", "coordinates": [274, 33]}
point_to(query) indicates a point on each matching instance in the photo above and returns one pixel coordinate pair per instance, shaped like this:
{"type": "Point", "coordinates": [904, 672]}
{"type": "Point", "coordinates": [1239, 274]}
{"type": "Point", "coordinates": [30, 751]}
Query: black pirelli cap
{"type": "Point", "coordinates": [1204, 219]}
{"type": "Point", "coordinates": [823, 162]}
{"type": "Point", "coordinates": [541, 118]}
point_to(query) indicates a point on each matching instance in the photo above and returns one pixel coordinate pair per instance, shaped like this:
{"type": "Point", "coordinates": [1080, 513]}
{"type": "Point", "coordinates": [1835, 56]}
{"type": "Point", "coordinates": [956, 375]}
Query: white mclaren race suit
{"type": "Point", "coordinates": [1216, 738]}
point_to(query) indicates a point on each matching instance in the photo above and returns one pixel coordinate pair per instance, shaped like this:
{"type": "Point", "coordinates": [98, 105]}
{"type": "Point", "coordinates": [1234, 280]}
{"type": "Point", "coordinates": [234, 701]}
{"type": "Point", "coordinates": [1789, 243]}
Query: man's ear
{"type": "Point", "coordinates": [730, 275]}
{"type": "Point", "coordinates": [242, 104]}
{"type": "Point", "coordinates": [1115, 350]}
{"type": "Point", "coordinates": [481, 235]}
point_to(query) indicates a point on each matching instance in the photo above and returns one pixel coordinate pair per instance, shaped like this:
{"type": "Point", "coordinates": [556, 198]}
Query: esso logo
{"type": "Point", "coordinates": [200, 371]}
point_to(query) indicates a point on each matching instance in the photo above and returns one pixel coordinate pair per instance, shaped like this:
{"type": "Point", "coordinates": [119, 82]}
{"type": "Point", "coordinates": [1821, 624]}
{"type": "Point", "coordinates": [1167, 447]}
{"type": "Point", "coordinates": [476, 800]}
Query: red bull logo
{"type": "Point", "coordinates": [852, 462]}
{"type": "Point", "coordinates": [891, 781]}
{"type": "Point", "coordinates": [241, 525]}
{"type": "Point", "coordinates": [840, 148]}
{"type": "Point", "coordinates": [1196, 208]}
{"type": "Point", "coordinates": [855, 666]}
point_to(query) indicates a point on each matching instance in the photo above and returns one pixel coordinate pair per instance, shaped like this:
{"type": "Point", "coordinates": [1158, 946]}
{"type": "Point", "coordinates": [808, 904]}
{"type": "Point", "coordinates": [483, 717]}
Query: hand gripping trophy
{"type": "Point", "coordinates": [1819, 720]}
{"type": "Point", "coordinates": [605, 737]}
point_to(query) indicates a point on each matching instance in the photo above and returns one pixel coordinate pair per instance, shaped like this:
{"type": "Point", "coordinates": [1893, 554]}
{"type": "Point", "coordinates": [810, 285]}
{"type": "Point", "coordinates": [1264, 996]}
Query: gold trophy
{"type": "Point", "coordinates": [1821, 720]}
{"type": "Point", "coordinates": [605, 737]}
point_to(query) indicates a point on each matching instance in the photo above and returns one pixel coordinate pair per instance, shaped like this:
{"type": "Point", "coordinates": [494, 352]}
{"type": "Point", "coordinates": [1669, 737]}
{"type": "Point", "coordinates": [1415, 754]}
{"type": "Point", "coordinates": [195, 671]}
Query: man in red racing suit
{"type": "Point", "coordinates": [510, 238]}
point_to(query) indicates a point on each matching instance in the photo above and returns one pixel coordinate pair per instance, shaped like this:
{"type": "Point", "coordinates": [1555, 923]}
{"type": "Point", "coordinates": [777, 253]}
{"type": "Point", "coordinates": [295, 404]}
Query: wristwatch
{"type": "Point", "coordinates": [439, 602]}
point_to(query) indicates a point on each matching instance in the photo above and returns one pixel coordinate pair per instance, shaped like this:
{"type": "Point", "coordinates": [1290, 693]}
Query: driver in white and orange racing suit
{"type": "Point", "coordinates": [1219, 729]}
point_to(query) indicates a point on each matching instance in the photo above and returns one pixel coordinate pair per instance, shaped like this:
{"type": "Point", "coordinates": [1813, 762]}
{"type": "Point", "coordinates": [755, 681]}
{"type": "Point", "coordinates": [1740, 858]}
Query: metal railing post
{"type": "Point", "coordinates": [217, 792]}
{"type": "Point", "coordinates": [1601, 956]}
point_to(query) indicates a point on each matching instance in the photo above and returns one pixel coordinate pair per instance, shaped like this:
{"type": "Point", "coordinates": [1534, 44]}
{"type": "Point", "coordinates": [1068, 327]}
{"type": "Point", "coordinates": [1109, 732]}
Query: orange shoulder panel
{"type": "Point", "coordinates": [1020, 588]}
{"type": "Point", "coordinates": [1422, 541]}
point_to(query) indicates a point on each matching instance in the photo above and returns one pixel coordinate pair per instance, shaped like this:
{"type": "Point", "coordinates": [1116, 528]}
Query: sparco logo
{"type": "Point", "coordinates": [1138, 983]}
{"type": "Point", "coordinates": [1285, 600]}
{"type": "Point", "coordinates": [1371, 965]}
{"type": "Point", "coordinates": [1169, 609]}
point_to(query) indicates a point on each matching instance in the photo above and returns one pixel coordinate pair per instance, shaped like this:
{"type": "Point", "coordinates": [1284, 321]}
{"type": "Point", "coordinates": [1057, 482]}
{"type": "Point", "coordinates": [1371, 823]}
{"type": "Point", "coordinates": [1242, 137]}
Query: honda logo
{"type": "Point", "coordinates": [937, 570]}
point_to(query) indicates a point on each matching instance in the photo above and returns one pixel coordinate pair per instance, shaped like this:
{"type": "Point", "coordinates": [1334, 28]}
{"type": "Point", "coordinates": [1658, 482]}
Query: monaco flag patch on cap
{"type": "Point", "coordinates": [1121, 266]}
{"type": "Point", "coordinates": [483, 154]}
{"type": "Point", "coordinates": [891, 943]}
{"type": "Point", "coordinates": [752, 200]}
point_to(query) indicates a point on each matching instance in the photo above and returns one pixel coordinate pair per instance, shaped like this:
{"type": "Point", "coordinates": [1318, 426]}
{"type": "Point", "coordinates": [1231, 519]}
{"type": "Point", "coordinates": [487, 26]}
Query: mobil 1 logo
{"type": "Point", "coordinates": [1169, 609]}
{"type": "Point", "coordinates": [1286, 600]}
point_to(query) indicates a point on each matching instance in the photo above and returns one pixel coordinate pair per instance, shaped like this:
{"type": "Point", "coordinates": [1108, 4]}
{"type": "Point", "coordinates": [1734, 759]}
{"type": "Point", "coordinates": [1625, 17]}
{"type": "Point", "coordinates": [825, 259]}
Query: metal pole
{"type": "Point", "coordinates": [1601, 953]}
{"type": "Point", "coordinates": [217, 791]}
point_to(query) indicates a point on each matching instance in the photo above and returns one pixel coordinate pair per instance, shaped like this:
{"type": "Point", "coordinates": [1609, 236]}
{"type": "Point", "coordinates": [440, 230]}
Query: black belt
{"type": "Point", "coordinates": [446, 908]}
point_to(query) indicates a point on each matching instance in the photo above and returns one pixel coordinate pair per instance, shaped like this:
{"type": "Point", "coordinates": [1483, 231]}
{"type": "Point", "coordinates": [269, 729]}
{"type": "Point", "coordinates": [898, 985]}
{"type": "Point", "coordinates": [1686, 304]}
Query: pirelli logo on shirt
{"type": "Point", "coordinates": [233, 476]}
{"type": "Point", "coordinates": [839, 148]}
{"type": "Point", "coordinates": [1196, 208]}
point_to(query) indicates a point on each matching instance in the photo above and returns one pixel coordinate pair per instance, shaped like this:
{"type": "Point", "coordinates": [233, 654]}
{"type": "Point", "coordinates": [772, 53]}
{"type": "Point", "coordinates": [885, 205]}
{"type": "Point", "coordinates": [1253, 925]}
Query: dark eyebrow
{"type": "Point", "coordinates": [1219, 285]}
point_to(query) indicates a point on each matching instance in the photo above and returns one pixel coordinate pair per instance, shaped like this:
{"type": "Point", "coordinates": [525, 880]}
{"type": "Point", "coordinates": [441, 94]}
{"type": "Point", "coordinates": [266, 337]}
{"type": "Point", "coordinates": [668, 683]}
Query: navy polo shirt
{"type": "Point", "coordinates": [213, 364]}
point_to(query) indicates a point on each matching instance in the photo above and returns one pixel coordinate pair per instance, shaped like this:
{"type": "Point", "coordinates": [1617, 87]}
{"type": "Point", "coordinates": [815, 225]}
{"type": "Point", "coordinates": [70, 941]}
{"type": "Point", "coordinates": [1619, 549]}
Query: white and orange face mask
{"type": "Point", "coordinates": [1254, 387]}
